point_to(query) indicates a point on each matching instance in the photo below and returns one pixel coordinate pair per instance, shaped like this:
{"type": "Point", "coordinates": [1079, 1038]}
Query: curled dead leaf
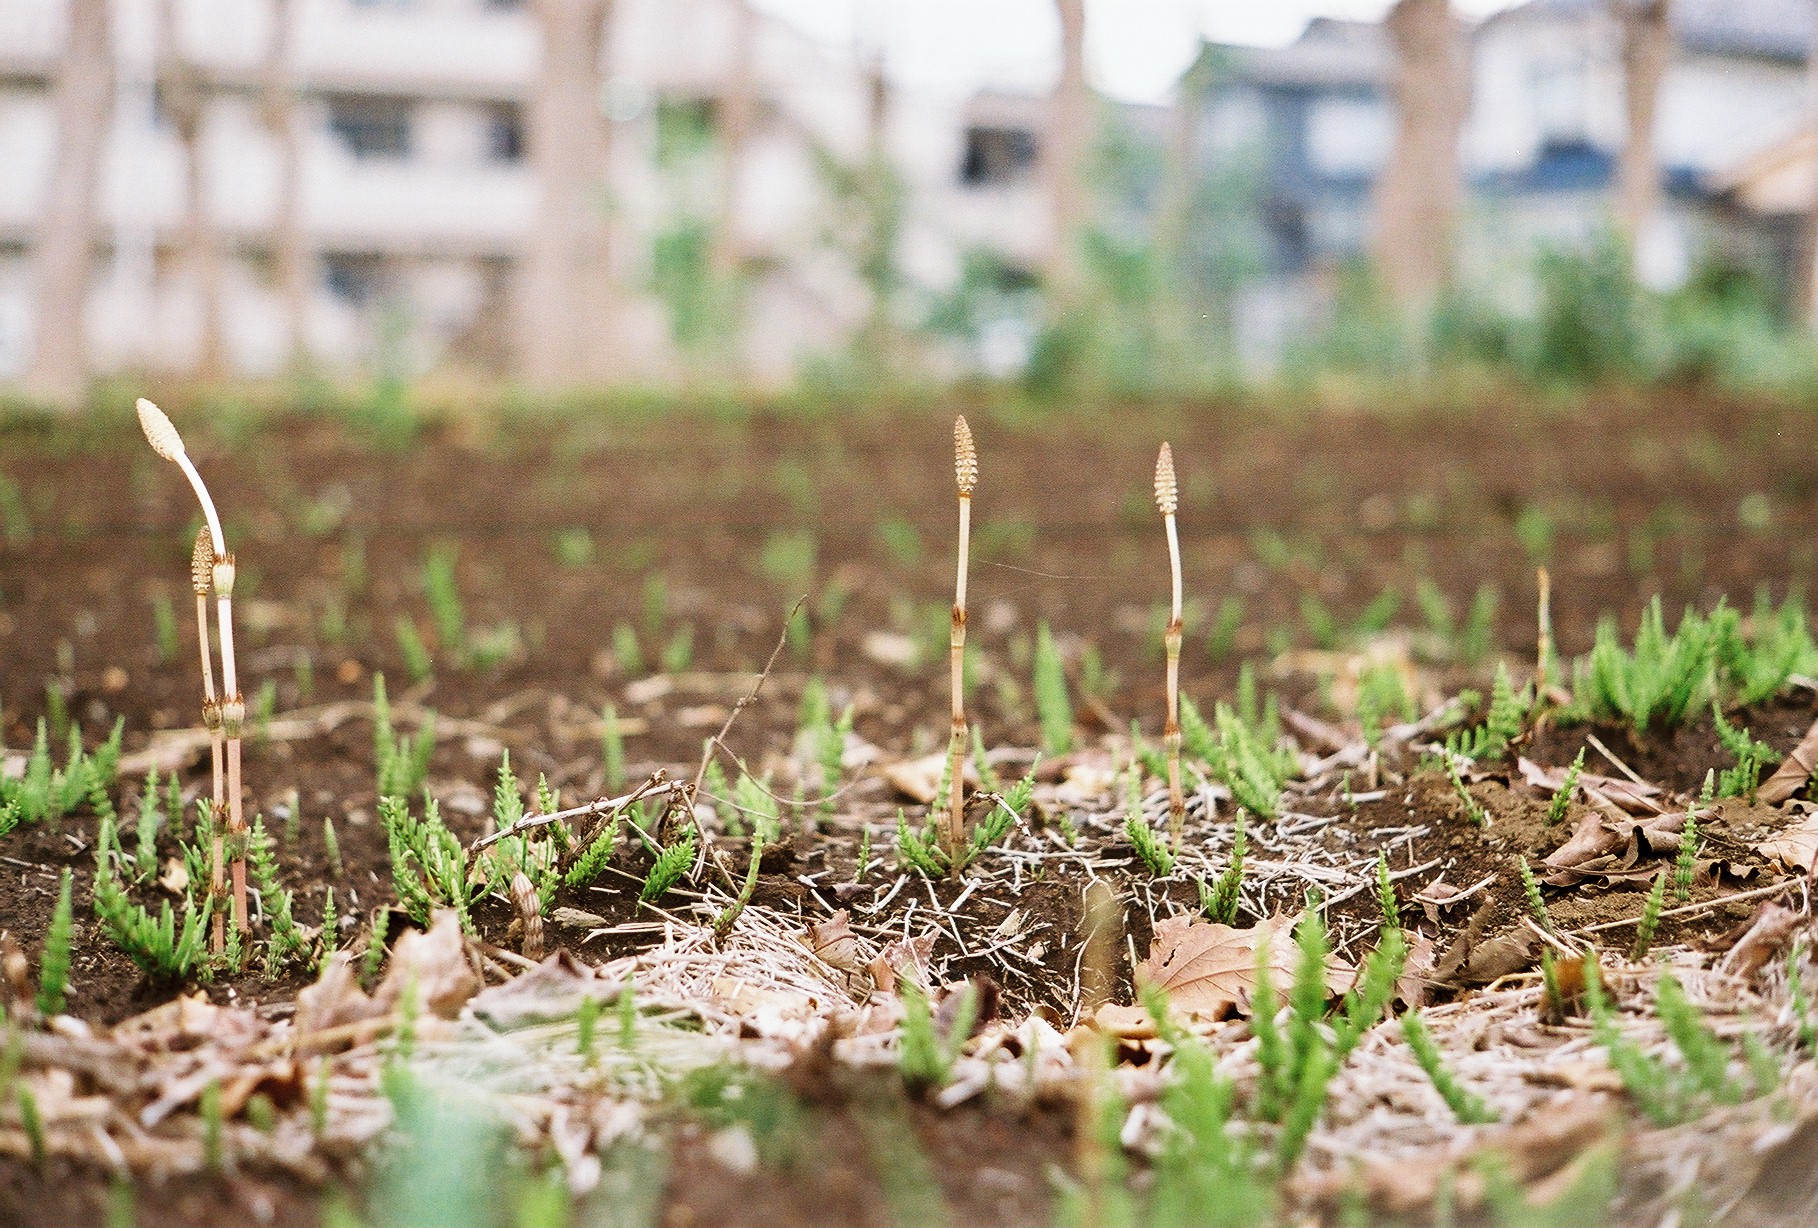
{"type": "Point", "coordinates": [1210, 970]}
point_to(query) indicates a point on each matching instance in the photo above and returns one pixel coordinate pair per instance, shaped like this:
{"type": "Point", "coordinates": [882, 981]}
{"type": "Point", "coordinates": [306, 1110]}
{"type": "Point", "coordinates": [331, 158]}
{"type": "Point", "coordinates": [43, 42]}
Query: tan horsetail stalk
{"type": "Point", "coordinates": [228, 713]}
{"type": "Point", "coordinates": [201, 576]}
{"type": "Point", "coordinates": [965, 477]}
{"type": "Point", "coordinates": [1543, 648]}
{"type": "Point", "coordinates": [1167, 501]}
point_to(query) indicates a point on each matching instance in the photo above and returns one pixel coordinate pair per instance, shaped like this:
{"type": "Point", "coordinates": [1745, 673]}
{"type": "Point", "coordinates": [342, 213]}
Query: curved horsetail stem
{"type": "Point", "coordinates": [1167, 501]}
{"type": "Point", "coordinates": [965, 477]}
{"type": "Point", "coordinates": [229, 711]}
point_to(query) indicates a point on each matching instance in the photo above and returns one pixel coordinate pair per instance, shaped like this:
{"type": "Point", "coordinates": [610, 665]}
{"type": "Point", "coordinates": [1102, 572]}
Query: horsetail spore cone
{"type": "Point", "coordinates": [1167, 501]}
{"type": "Point", "coordinates": [166, 442]}
{"type": "Point", "coordinates": [965, 477]}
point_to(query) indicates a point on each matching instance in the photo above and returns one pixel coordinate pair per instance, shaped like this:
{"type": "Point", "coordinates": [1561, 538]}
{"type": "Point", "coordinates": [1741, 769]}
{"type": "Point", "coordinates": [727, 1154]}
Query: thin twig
{"type": "Point", "coordinates": [719, 738]}
{"type": "Point", "coordinates": [656, 786]}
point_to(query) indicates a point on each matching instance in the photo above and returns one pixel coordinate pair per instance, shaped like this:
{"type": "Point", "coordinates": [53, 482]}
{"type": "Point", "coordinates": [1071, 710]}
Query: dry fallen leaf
{"type": "Point", "coordinates": [1768, 930]}
{"type": "Point", "coordinates": [1210, 970]}
{"type": "Point", "coordinates": [917, 779]}
{"type": "Point", "coordinates": [1795, 845]}
{"type": "Point", "coordinates": [1792, 774]}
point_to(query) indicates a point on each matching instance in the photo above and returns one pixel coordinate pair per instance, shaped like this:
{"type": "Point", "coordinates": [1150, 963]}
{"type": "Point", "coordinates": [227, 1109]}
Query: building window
{"type": "Point", "coordinates": [371, 127]}
{"type": "Point", "coordinates": [997, 156]}
{"type": "Point", "coordinates": [359, 280]}
{"type": "Point", "coordinates": [504, 133]}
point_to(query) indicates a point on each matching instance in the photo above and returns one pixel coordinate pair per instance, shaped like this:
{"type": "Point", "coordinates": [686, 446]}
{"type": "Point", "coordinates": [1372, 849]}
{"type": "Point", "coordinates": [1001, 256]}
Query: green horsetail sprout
{"type": "Point", "coordinates": [965, 477]}
{"type": "Point", "coordinates": [166, 442]}
{"type": "Point", "coordinates": [1469, 1108]}
{"type": "Point", "coordinates": [1531, 886]}
{"type": "Point", "coordinates": [729, 916]}
{"type": "Point", "coordinates": [331, 846]}
{"type": "Point", "coordinates": [1686, 864]}
{"type": "Point", "coordinates": [1052, 707]}
{"type": "Point", "coordinates": [1556, 813]}
{"type": "Point", "coordinates": [53, 965]}
{"type": "Point", "coordinates": [1385, 894]}
{"type": "Point", "coordinates": [1167, 502]}
{"type": "Point", "coordinates": [1650, 916]}
{"type": "Point", "coordinates": [612, 749]}
{"type": "Point", "coordinates": [1222, 900]}
{"type": "Point", "coordinates": [586, 1024]}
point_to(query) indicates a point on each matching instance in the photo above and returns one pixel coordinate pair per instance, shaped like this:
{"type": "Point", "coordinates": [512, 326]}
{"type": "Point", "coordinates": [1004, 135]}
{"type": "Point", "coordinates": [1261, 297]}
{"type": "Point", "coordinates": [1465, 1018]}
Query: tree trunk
{"type": "Point", "coordinates": [1647, 49]}
{"type": "Point", "coordinates": [1417, 194]}
{"type": "Point", "coordinates": [291, 269]}
{"type": "Point", "coordinates": [1068, 137]}
{"type": "Point", "coordinates": [737, 117]}
{"type": "Point", "coordinates": [565, 297]}
{"type": "Point", "coordinates": [185, 94]}
{"type": "Point", "coordinates": [1810, 227]}
{"type": "Point", "coordinates": [64, 243]}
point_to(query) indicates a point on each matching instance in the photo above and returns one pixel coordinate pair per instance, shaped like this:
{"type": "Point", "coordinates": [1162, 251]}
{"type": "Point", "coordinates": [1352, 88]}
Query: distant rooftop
{"type": "Point", "coordinates": [1770, 29]}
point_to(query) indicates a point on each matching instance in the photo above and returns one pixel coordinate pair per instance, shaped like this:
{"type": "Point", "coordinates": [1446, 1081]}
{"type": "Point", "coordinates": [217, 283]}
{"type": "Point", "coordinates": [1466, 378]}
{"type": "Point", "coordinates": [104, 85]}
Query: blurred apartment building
{"type": "Point", "coordinates": [1734, 139]}
{"type": "Point", "coordinates": [412, 196]}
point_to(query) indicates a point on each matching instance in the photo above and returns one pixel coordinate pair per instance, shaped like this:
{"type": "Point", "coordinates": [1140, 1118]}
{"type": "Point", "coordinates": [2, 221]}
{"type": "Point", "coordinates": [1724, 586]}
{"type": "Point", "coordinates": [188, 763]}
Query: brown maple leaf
{"type": "Point", "coordinates": [1210, 970]}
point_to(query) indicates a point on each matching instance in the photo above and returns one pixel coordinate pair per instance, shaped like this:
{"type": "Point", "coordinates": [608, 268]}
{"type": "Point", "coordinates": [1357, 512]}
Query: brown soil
{"type": "Point", "coordinates": [687, 524]}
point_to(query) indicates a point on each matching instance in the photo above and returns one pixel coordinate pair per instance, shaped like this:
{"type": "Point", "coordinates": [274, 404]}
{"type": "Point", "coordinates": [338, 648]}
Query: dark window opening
{"type": "Point", "coordinates": [371, 127]}
{"type": "Point", "coordinates": [505, 134]}
{"type": "Point", "coordinates": [996, 156]}
{"type": "Point", "coordinates": [357, 280]}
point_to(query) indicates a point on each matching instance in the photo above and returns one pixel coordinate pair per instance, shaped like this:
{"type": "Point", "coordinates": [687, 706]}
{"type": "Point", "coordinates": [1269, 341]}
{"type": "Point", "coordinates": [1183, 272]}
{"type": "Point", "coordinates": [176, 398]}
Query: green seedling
{"type": "Point", "coordinates": [1751, 756]}
{"type": "Point", "coordinates": [1241, 752]}
{"type": "Point", "coordinates": [1474, 810]}
{"type": "Point", "coordinates": [925, 1058]}
{"type": "Point", "coordinates": [722, 925]}
{"type": "Point", "coordinates": [1556, 812]}
{"type": "Point", "coordinates": [625, 651]}
{"type": "Point", "coordinates": [1222, 900]}
{"type": "Point", "coordinates": [1685, 864]}
{"type": "Point", "coordinates": [419, 666]}
{"type": "Point", "coordinates": [1650, 917]}
{"type": "Point", "coordinates": [1469, 1108]}
{"type": "Point", "coordinates": [1658, 682]}
{"type": "Point", "coordinates": [167, 635]}
{"type": "Point", "coordinates": [671, 867]}
{"type": "Point", "coordinates": [331, 847]}
{"type": "Point", "coordinates": [428, 862]}
{"type": "Point", "coordinates": [53, 964]}
{"type": "Point", "coordinates": [1386, 898]}
{"type": "Point", "coordinates": [612, 750]}
{"type": "Point", "coordinates": [1531, 886]}
{"type": "Point", "coordinates": [442, 591]}
{"type": "Point", "coordinates": [1049, 683]}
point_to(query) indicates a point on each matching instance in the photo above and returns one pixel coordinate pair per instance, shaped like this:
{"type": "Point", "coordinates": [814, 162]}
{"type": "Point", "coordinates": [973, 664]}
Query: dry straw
{"type": "Point", "coordinates": [211, 559]}
{"type": "Point", "coordinates": [965, 476]}
{"type": "Point", "coordinates": [1167, 501]}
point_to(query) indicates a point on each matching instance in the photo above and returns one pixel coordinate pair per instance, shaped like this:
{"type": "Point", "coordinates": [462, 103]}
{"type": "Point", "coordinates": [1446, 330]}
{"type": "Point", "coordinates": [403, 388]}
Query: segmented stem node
{"type": "Point", "coordinates": [158, 430]}
{"type": "Point", "coordinates": [965, 457]}
{"type": "Point", "coordinates": [202, 562]}
{"type": "Point", "coordinates": [1167, 492]}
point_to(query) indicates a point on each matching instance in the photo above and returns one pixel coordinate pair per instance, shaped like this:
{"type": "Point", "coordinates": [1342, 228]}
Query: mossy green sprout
{"type": "Point", "coordinates": [231, 712]}
{"type": "Point", "coordinates": [1167, 502]}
